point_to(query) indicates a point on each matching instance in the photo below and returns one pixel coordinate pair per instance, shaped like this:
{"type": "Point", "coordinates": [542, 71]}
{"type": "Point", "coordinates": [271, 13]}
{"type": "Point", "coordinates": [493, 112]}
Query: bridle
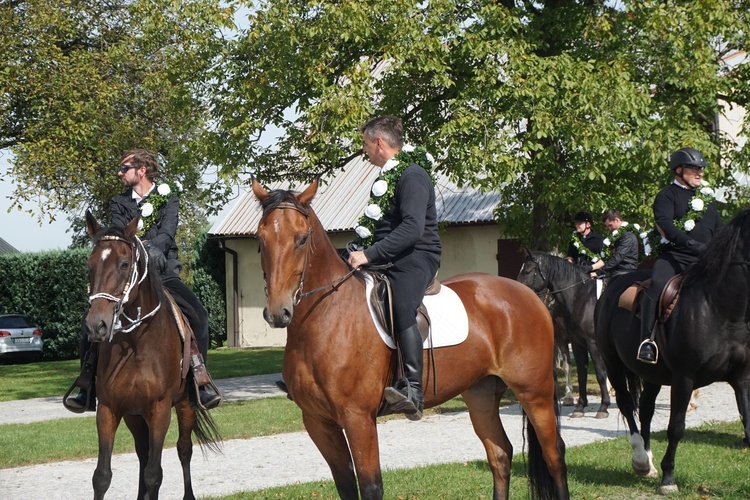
{"type": "Point", "coordinates": [298, 294]}
{"type": "Point", "coordinates": [548, 291]}
{"type": "Point", "coordinates": [137, 249]}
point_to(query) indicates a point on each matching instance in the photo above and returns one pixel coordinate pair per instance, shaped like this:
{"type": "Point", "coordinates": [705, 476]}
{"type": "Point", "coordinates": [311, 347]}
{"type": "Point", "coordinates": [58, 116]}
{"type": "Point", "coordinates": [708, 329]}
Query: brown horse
{"type": "Point", "coordinates": [139, 375]}
{"type": "Point", "coordinates": [336, 366]}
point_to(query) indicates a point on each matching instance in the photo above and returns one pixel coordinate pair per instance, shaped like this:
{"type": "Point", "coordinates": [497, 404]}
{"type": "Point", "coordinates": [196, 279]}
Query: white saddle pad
{"type": "Point", "coordinates": [449, 321]}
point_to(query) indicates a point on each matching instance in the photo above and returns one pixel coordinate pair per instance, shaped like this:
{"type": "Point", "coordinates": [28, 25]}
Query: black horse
{"type": "Point", "coordinates": [574, 294]}
{"type": "Point", "coordinates": [705, 340]}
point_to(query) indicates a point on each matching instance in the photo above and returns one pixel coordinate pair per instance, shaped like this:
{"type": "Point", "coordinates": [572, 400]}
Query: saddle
{"type": "Point", "coordinates": [382, 301]}
{"type": "Point", "coordinates": [630, 298]}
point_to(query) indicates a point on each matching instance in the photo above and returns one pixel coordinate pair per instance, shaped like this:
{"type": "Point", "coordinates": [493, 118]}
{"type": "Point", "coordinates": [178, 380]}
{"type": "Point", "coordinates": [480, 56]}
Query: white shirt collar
{"type": "Point", "coordinates": [138, 198]}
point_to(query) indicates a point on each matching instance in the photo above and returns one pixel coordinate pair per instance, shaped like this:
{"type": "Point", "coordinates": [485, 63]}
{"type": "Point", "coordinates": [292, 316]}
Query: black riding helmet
{"type": "Point", "coordinates": [686, 157]}
{"type": "Point", "coordinates": [583, 217]}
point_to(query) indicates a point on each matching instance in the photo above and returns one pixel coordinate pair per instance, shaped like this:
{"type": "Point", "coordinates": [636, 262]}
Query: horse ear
{"type": "Point", "coordinates": [92, 226]}
{"type": "Point", "coordinates": [132, 228]}
{"type": "Point", "coordinates": [259, 191]}
{"type": "Point", "coordinates": [308, 194]}
{"type": "Point", "coordinates": [526, 251]}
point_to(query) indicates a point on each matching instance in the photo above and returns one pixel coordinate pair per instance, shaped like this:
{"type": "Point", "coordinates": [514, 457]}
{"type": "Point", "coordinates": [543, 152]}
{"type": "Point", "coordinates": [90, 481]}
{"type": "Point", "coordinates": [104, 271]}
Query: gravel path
{"type": "Point", "coordinates": [258, 463]}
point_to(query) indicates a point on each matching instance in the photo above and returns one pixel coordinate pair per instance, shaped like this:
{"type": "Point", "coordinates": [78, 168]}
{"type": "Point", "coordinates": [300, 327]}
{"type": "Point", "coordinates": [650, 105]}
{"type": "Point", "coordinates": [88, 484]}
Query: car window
{"type": "Point", "coordinates": [15, 322]}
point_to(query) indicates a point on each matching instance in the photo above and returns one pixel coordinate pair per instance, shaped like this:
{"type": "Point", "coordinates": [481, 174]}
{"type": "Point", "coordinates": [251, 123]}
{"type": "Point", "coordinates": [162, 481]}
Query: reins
{"type": "Point", "coordinates": [137, 248]}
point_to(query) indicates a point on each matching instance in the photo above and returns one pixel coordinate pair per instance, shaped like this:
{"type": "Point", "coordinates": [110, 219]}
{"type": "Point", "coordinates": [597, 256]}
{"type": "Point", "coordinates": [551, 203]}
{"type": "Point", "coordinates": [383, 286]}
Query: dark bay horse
{"type": "Point", "coordinates": [705, 340]}
{"type": "Point", "coordinates": [139, 376]}
{"type": "Point", "coordinates": [574, 294]}
{"type": "Point", "coordinates": [336, 366]}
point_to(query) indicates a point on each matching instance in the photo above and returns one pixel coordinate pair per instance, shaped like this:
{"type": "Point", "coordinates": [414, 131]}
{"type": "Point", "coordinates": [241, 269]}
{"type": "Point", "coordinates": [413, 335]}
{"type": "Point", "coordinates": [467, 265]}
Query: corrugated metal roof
{"type": "Point", "coordinates": [342, 198]}
{"type": "Point", "coordinates": [6, 247]}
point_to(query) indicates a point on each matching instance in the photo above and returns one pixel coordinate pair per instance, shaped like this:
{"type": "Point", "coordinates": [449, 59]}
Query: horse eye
{"type": "Point", "coordinates": [302, 240]}
{"type": "Point", "coordinates": [124, 265]}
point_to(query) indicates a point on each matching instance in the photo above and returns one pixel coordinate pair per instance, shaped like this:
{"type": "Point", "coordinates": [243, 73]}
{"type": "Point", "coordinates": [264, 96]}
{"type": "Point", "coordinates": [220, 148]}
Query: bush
{"type": "Point", "coordinates": [50, 288]}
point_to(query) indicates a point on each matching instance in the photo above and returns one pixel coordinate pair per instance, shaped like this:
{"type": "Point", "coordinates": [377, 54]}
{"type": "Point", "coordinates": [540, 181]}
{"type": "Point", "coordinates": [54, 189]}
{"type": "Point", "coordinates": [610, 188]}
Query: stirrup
{"type": "Point", "coordinates": [407, 403]}
{"type": "Point", "coordinates": [656, 351]}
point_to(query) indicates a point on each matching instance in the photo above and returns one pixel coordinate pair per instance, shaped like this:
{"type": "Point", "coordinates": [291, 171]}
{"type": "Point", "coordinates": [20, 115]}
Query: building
{"type": "Point", "coordinates": [470, 235]}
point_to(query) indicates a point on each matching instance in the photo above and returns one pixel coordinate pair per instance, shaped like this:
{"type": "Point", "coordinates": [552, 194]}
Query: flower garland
{"type": "Point", "coordinates": [156, 199]}
{"type": "Point", "coordinates": [583, 249]}
{"type": "Point", "coordinates": [384, 189]}
{"type": "Point", "coordinates": [611, 241]}
{"type": "Point", "coordinates": [697, 206]}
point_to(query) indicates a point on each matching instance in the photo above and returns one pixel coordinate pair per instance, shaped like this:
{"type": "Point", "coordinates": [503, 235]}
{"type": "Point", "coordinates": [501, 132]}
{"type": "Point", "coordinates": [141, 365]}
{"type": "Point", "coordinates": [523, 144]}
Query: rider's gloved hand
{"type": "Point", "coordinates": [156, 256]}
{"type": "Point", "coordinates": [695, 247]}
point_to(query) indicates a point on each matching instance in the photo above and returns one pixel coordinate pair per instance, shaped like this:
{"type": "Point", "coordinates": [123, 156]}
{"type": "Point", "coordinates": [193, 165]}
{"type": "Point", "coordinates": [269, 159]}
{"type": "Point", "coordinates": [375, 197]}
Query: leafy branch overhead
{"type": "Point", "coordinates": [560, 105]}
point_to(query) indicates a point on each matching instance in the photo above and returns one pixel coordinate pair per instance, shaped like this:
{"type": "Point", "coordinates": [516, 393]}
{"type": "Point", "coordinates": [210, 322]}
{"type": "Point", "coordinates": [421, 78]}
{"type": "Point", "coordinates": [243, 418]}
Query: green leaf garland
{"type": "Point", "coordinates": [383, 190]}
{"type": "Point", "coordinates": [154, 201]}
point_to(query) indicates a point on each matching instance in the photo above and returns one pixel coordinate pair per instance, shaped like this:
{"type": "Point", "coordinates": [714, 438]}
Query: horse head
{"type": "Point", "coordinates": [285, 239]}
{"type": "Point", "coordinates": [113, 275]}
{"type": "Point", "coordinates": [531, 274]}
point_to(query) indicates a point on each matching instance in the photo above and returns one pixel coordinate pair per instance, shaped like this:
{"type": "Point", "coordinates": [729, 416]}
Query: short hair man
{"type": "Point", "coordinates": [624, 258]}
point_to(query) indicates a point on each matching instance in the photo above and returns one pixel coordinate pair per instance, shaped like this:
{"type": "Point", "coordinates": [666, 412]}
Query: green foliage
{"type": "Point", "coordinates": [49, 287]}
{"type": "Point", "coordinates": [84, 81]}
{"type": "Point", "coordinates": [208, 281]}
{"type": "Point", "coordinates": [559, 105]}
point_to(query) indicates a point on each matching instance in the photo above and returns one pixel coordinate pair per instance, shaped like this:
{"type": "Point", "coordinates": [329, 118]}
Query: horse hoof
{"type": "Point", "coordinates": [577, 414]}
{"type": "Point", "coordinates": [568, 402]}
{"type": "Point", "coordinates": [602, 414]}
{"type": "Point", "coordinates": [668, 489]}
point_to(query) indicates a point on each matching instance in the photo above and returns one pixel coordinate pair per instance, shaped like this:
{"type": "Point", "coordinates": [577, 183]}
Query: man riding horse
{"type": "Point", "coordinates": [687, 238]}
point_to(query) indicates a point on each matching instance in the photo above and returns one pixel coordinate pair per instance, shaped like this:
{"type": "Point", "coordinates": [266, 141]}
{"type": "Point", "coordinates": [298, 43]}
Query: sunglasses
{"type": "Point", "coordinates": [125, 168]}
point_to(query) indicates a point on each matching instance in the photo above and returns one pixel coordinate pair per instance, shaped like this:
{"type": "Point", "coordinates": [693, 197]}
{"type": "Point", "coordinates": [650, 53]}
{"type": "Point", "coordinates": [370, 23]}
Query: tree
{"type": "Point", "coordinates": [562, 105]}
{"type": "Point", "coordinates": [83, 81]}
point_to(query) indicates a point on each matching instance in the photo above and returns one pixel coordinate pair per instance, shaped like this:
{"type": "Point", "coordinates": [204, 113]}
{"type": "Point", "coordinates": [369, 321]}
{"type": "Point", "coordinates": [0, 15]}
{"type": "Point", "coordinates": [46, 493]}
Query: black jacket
{"type": "Point", "coordinates": [593, 241]}
{"type": "Point", "coordinates": [624, 258]}
{"type": "Point", "coordinates": [671, 204]}
{"type": "Point", "coordinates": [411, 221]}
{"type": "Point", "coordinates": [160, 236]}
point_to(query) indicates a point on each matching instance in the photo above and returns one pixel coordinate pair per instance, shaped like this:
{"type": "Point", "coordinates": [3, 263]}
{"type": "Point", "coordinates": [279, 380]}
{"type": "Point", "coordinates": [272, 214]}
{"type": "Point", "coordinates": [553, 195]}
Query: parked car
{"type": "Point", "coordinates": [20, 337]}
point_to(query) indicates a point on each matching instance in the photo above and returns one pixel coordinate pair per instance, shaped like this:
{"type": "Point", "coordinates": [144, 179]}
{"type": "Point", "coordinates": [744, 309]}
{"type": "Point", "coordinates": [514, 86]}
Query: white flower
{"type": "Point", "coordinates": [689, 225]}
{"type": "Point", "coordinates": [379, 188]}
{"type": "Point", "coordinates": [606, 241]}
{"type": "Point", "coordinates": [697, 205]}
{"type": "Point", "coordinates": [140, 224]}
{"type": "Point", "coordinates": [373, 211]}
{"type": "Point", "coordinates": [637, 227]}
{"type": "Point", "coordinates": [624, 224]}
{"type": "Point", "coordinates": [163, 189]}
{"type": "Point", "coordinates": [644, 235]}
{"type": "Point", "coordinates": [595, 259]}
{"type": "Point", "coordinates": [389, 165]}
{"type": "Point", "coordinates": [430, 158]}
{"type": "Point", "coordinates": [707, 191]}
{"type": "Point", "coordinates": [363, 232]}
{"type": "Point", "coordinates": [178, 185]}
{"type": "Point", "coordinates": [663, 240]}
{"type": "Point", "coordinates": [407, 148]}
{"type": "Point", "coordinates": [576, 244]}
{"type": "Point", "coordinates": [147, 209]}
{"type": "Point", "coordinates": [647, 249]}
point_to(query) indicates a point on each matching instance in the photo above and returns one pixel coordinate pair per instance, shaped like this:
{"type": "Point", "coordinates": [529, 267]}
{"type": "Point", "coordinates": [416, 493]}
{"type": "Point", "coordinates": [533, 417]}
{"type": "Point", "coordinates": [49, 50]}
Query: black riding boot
{"type": "Point", "coordinates": [208, 399]}
{"type": "Point", "coordinates": [647, 351]}
{"type": "Point", "coordinates": [85, 400]}
{"type": "Point", "coordinates": [407, 396]}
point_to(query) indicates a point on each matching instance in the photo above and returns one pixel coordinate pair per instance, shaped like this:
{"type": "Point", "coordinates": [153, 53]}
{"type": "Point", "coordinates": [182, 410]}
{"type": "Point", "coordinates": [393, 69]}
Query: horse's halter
{"type": "Point", "coordinates": [298, 294]}
{"type": "Point", "coordinates": [137, 249]}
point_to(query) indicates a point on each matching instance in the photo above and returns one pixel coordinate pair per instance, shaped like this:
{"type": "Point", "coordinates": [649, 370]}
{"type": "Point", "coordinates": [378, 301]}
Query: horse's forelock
{"type": "Point", "coordinates": [279, 196]}
{"type": "Point", "coordinates": [561, 268]}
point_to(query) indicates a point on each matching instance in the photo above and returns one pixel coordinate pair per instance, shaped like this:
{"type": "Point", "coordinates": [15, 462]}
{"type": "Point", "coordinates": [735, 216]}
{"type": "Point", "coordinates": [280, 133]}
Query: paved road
{"type": "Point", "coordinates": [254, 464]}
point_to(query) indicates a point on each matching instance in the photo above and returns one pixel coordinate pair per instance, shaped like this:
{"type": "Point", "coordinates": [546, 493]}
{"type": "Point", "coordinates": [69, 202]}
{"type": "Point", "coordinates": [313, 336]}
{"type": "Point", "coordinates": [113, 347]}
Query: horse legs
{"type": "Point", "coordinates": [106, 427]}
{"type": "Point", "coordinates": [483, 402]}
{"type": "Point", "coordinates": [139, 430]}
{"type": "Point", "coordinates": [581, 355]}
{"type": "Point", "coordinates": [643, 458]}
{"type": "Point", "coordinates": [185, 423]}
{"type": "Point", "coordinates": [682, 388]}
{"type": "Point", "coordinates": [601, 378]}
{"type": "Point", "coordinates": [329, 439]}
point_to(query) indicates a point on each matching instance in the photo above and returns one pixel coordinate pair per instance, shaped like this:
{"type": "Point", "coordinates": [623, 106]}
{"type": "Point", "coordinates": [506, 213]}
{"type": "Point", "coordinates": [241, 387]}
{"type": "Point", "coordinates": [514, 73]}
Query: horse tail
{"type": "Point", "coordinates": [206, 432]}
{"type": "Point", "coordinates": [635, 387]}
{"type": "Point", "coordinates": [541, 482]}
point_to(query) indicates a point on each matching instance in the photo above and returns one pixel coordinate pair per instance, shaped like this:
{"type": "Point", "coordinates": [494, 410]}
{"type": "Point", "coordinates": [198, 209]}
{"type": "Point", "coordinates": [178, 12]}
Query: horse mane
{"type": "Point", "coordinates": [714, 262]}
{"type": "Point", "coordinates": [279, 196]}
{"type": "Point", "coordinates": [561, 267]}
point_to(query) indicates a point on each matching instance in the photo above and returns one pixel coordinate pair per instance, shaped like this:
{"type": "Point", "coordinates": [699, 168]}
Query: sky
{"type": "Point", "coordinates": [23, 231]}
